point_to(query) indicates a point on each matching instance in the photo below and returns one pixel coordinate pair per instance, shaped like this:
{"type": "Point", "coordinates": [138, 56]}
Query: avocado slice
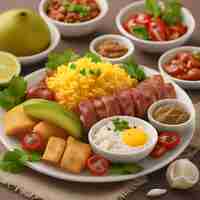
{"type": "Point", "coordinates": [54, 113]}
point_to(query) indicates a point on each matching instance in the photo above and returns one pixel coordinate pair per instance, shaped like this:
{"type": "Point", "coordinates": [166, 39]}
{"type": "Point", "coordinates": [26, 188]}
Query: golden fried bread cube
{"type": "Point", "coordinates": [75, 155]}
{"type": "Point", "coordinates": [17, 123]}
{"type": "Point", "coordinates": [54, 150]}
{"type": "Point", "coordinates": [47, 130]}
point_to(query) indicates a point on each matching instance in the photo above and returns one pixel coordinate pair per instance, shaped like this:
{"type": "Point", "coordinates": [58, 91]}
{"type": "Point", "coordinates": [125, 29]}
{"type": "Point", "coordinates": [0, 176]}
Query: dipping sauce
{"type": "Point", "coordinates": [184, 65]}
{"type": "Point", "coordinates": [171, 114]}
{"type": "Point", "coordinates": [111, 49]}
{"type": "Point", "coordinates": [73, 11]}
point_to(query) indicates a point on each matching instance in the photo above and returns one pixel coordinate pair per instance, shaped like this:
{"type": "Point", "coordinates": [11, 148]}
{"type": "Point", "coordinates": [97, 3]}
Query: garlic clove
{"type": "Point", "coordinates": [156, 192]}
{"type": "Point", "coordinates": [182, 174]}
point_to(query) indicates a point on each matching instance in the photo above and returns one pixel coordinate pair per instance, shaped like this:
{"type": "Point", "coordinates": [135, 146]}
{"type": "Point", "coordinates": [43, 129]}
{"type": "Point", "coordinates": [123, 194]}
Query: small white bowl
{"type": "Point", "coordinates": [76, 29]}
{"type": "Point", "coordinates": [152, 46]}
{"type": "Point", "coordinates": [167, 56]}
{"type": "Point", "coordinates": [55, 39]}
{"type": "Point", "coordinates": [180, 128]}
{"type": "Point", "coordinates": [129, 156]}
{"type": "Point", "coordinates": [122, 40]}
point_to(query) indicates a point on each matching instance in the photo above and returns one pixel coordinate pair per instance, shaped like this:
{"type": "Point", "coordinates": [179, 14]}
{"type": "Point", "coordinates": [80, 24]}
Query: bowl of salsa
{"type": "Point", "coordinates": [182, 65]}
{"type": "Point", "coordinates": [156, 26]}
{"type": "Point", "coordinates": [74, 17]}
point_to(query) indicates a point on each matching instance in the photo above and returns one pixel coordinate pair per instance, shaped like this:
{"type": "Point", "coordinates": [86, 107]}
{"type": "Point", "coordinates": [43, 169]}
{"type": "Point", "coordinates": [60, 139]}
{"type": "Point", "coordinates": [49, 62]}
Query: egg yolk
{"type": "Point", "coordinates": [134, 137]}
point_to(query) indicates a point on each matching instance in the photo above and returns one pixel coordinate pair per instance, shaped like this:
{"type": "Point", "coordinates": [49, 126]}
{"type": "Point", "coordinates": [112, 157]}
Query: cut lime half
{"type": "Point", "coordinates": [9, 67]}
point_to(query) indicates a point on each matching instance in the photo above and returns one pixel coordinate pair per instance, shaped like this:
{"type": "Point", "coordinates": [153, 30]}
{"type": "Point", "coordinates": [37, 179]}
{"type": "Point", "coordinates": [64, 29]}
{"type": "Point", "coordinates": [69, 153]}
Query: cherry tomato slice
{"type": "Point", "coordinates": [39, 92]}
{"type": "Point", "coordinates": [157, 30]}
{"type": "Point", "coordinates": [169, 139]}
{"type": "Point", "coordinates": [32, 142]}
{"type": "Point", "coordinates": [158, 151]}
{"type": "Point", "coordinates": [98, 165]}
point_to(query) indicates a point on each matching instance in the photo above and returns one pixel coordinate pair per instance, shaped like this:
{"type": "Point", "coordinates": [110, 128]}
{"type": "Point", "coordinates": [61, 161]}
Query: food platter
{"type": "Point", "coordinates": [149, 165]}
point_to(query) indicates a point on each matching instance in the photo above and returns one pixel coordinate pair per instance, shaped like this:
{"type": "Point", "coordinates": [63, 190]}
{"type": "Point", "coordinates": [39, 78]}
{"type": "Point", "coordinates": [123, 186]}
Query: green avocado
{"type": "Point", "coordinates": [53, 112]}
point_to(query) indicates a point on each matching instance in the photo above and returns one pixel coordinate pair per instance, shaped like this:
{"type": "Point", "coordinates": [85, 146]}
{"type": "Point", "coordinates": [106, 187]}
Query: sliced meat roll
{"type": "Point", "coordinates": [126, 103]}
{"type": "Point", "coordinates": [139, 102]}
{"type": "Point", "coordinates": [111, 104]}
{"type": "Point", "coordinates": [169, 91]}
{"type": "Point", "coordinates": [148, 92]}
{"type": "Point", "coordinates": [88, 114]}
{"type": "Point", "coordinates": [100, 108]}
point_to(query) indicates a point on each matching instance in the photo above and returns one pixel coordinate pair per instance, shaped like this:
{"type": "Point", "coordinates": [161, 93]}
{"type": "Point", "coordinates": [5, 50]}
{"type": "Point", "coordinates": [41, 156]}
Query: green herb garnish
{"type": "Point", "coordinates": [132, 68]}
{"type": "Point", "coordinates": [15, 161]}
{"type": "Point", "coordinates": [14, 94]}
{"type": "Point", "coordinates": [95, 58]}
{"type": "Point", "coordinates": [57, 59]}
{"type": "Point", "coordinates": [120, 124]}
{"type": "Point", "coordinates": [72, 66]}
{"type": "Point", "coordinates": [122, 169]}
{"type": "Point", "coordinates": [153, 7]}
{"type": "Point", "coordinates": [96, 72]}
{"type": "Point", "coordinates": [140, 32]}
{"type": "Point", "coordinates": [83, 10]}
{"type": "Point", "coordinates": [172, 13]}
{"type": "Point", "coordinates": [83, 72]}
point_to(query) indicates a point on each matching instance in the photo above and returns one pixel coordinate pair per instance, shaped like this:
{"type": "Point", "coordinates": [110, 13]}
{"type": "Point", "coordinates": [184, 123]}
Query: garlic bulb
{"type": "Point", "coordinates": [182, 174]}
{"type": "Point", "coordinates": [156, 192]}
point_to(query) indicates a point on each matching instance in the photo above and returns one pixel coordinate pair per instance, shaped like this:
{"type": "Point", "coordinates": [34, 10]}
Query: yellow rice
{"type": "Point", "coordinates": [73, 83]}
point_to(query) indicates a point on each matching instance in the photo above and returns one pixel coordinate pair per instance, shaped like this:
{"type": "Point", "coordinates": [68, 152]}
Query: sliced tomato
{"type": "Point", "coordinates": [137, 19]}
{"type": "Point", "coordinates": [158, 151]}
{"type": "Point", "coordinates": [174, 68]}
{"type": "Point", "coordinates": [98, 165]}
{"type": "Point", "coordinates": [157, 30]}
{"type": "Point", "coordinates": [32, 142]}
{"type": "Point", "coordinates": [39, 92]}
{"type": "Point", "coordinates": [169, 139]}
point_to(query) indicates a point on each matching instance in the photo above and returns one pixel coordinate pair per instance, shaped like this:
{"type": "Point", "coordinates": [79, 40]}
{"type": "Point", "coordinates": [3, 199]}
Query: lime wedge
{"type": "Point", "coordinates": [9, 67]}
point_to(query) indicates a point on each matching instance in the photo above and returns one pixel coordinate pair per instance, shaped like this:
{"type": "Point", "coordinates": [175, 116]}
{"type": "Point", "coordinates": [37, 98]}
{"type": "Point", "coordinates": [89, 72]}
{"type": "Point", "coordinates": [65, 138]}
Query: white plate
{"type": "Point", "coordinates": [194, 85]}
{"type": "Point", "coordinates": [149, 164]}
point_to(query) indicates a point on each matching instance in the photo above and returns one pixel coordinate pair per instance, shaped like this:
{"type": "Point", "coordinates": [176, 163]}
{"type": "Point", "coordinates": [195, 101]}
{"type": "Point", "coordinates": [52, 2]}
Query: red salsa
{"type": "Point", "coordinates": [73, 11]}
{"type": "Point", "coordinates": [184, 65]}
{"type": "Point", "coordinates": [163, 23]}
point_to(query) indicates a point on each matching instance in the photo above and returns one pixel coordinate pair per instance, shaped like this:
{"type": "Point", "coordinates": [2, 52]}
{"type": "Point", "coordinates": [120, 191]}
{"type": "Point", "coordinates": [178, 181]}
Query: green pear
{"type": "Point", "coordinates": [23, 32]}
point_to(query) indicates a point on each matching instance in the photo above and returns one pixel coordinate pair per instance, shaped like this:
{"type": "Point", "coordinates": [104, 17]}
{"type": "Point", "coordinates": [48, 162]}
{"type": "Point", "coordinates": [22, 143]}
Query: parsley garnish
{"type": "Point", "coordinates": [123, 168]}
{"type": "Point", "coordinates": [134, 71]}
{"type": "Point", "coordinates": [83, 10]}
{"type": "Point", "coordinates": [141, 32]}
{"type": "Point", "coordinates": [72, 66]}
{"type": "Point", "coordinates": [153, 7]}
{"type": "Point", "coordinates": [120, 124]}
{"type": "Point", "coordinates": [95, 58]}
{"type": "Point", "coordinates": [83, 72]}
{"type": "Point", "coordinates": [14, 94]}
{"type": "Point", "coordinates": [14, 161]}
{"type": "Point", "coordinates": [57, 59]}
{"type": "Point", "coordinates": [172, 13]}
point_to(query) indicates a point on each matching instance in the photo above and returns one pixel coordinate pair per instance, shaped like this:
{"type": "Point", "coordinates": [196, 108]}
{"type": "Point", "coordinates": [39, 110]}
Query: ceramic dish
{"type": "Point", "coordinates": [169, 55]}
{"type": "Point", "coordinates": [76, 29]}
{"type": "Point", "coordinates": [169, 127]}
{"type": "Point", "coordinates": [122, 40]}
{"type": "Point", "coordinates": [55, 39]}
{"type": "Point", "coordinates": [151, 46]}
{"type": "Point", "coordinates": [129, 156]}
{"type": "Point", "coordinates": [150, 165]}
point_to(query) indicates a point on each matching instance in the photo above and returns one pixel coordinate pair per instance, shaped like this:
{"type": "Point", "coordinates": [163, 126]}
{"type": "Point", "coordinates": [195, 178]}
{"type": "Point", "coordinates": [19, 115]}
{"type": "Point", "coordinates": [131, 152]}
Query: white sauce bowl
{"type": "Point", "coordinates": [129, 156]}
